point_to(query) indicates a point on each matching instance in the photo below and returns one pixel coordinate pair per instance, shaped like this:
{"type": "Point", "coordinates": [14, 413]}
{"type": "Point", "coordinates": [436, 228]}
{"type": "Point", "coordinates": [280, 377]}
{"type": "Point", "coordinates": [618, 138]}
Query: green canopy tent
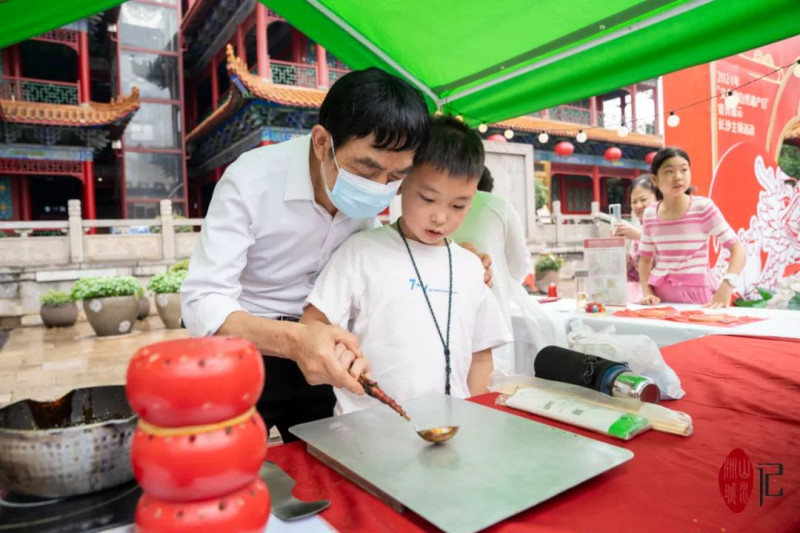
{"type": "Point", "coordinates": [494, 60]}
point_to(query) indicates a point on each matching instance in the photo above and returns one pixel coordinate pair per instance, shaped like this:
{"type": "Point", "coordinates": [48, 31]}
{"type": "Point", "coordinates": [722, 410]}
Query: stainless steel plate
{"type": "Point", "coordinates": [498, 465]}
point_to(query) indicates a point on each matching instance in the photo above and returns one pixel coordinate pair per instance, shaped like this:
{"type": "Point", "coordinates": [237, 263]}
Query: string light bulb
{"type": "Point", "coordinates": [544, 137]}
{"type": "Point", "coordinates": [438, 113]}
{"type": "Point", "coordinates": [673, 120]}
{"type": "Point", "coordinates": [731, 100]}
{"type": "Point", "coordinates": [623, 131]}
{"type": "Point", "coordinates": [581, 136]}
{"type": "Point", "coordinates": [459, 118]}
{"type": "Point", "coordinates": [483, 128]}
{"type": "Point", "coordinates": [508, 134]}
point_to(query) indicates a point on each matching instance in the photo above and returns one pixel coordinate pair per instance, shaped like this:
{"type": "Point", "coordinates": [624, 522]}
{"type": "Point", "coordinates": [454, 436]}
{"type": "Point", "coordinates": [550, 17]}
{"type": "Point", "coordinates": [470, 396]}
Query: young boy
{"type": "Point", "coordinates": [426, 320]}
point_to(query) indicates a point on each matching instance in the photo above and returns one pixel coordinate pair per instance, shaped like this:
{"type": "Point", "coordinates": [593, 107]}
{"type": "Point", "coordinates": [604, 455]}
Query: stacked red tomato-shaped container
{"type": "Point", "coordinates": [200, 442]}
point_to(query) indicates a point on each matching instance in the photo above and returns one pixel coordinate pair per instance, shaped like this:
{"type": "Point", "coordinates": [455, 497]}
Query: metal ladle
{"type": "Point", "coordinates": [436, 435]}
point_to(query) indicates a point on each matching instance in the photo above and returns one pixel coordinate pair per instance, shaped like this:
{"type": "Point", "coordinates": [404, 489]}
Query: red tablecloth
{"type": "Point", "coordinates": [741, 393]}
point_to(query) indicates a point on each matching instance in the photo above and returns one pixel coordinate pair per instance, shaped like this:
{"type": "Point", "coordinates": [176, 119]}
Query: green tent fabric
{"type": "Point", "coordinates": [492, 60]}
{"type": "Point", "coordinates": [23, 19]}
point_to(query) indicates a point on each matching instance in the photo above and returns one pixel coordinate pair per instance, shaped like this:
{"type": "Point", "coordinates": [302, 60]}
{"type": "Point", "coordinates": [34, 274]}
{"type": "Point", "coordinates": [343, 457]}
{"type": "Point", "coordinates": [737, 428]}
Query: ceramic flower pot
{"type": "Point", "coordinates": [168, 305]}
{"type": "Point", "coordinates": [144, 308]}
{"type": "Point", "coordinates": [59, 316]}
{"type": "Point", "coordinates": [111, 316]}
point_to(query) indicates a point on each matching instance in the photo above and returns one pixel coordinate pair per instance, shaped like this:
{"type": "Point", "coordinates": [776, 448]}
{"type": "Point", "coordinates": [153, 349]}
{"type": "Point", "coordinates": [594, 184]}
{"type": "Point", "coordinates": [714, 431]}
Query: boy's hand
{"type": "Point", "coordinates": [330, 355]}
{"type": "Point", "coordinates": [485, 259]}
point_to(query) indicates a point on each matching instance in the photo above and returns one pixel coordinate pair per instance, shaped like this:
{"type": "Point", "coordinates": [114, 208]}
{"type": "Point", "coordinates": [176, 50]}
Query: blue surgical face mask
{"type": "Point", "coordinates": [359, 197]}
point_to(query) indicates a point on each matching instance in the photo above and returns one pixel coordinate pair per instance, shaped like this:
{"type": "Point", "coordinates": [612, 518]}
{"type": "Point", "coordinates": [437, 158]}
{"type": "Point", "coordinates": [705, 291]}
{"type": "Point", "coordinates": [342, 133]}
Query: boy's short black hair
{"type": "Point", "coordinates": [371, 101]}
{"type": "Point", "coordinates": [453, 147]}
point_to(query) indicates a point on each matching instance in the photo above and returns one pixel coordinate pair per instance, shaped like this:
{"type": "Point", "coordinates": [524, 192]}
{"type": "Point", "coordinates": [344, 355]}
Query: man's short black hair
{"type": "Point", "coordinates": [371, 101]}
{"type": "Point", "coordinates": [452, 147]}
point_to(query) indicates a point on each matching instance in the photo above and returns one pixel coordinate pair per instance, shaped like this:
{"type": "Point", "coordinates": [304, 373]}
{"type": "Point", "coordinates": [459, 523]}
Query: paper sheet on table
{"type": "Point", "coordinates": [697, 316]}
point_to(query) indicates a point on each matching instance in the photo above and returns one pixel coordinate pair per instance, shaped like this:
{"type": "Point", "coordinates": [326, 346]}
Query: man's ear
{"type": "Point", "coordinates": [320, 141]}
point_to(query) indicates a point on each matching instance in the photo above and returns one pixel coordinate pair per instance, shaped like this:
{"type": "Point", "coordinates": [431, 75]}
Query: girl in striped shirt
{"type": "Point", "coordinates": [676, 229]}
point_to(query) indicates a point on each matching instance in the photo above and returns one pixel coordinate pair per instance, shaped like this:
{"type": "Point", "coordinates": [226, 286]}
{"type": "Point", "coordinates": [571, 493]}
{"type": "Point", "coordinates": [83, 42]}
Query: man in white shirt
{"type": "Point", "coordinates": [277, 215]}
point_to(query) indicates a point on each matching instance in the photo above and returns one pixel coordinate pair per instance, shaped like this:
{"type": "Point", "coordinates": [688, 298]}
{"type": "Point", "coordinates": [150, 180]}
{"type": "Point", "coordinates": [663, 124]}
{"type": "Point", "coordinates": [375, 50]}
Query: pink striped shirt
{"type": "Point", "coordinates": [682, 244]}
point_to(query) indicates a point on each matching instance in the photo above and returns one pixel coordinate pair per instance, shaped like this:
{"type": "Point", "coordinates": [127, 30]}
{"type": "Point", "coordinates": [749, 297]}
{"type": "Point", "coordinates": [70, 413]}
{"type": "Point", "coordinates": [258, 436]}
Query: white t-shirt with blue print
{"type": "Point", "coordinates": [369, 287]}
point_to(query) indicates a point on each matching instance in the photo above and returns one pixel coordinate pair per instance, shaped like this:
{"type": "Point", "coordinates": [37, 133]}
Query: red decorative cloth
{"type": "Point", "coordinates": [696, 316]}
{"type": "Point", "coordinates": [741, 392]}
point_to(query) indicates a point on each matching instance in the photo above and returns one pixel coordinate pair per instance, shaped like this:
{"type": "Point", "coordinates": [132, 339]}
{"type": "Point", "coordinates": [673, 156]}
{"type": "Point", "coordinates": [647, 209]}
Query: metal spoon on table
{"type": "Point", "coordinates": [436, 435]}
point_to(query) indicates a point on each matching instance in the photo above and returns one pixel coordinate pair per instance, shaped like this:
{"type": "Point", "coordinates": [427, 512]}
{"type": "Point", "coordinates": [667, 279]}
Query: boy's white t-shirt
{"type": "Point", "coordinates": [369, 287]}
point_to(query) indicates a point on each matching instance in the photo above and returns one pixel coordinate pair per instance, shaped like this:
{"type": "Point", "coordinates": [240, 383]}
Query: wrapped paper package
{"type": "Point", "coordinates": [662, 418]}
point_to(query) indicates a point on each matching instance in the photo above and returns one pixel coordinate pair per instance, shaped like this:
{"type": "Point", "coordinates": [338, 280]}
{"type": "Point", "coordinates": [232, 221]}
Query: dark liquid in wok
{"type": "Point", "coordinates": [77, 408]}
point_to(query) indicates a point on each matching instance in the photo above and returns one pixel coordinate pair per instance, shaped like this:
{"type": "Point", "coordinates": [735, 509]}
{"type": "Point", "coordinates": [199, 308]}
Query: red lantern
{"type": "Point", "coordinates": [564, 148]}
{"type": "Point", "coordinates": [497, 137]}
{"type": "Point", "coordinates": [649, 157]}
{"type": "Point", "coordinates": [613, 153]}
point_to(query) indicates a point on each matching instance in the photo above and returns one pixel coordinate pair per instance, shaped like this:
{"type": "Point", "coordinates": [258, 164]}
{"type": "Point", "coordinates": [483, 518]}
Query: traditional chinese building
{"type": "Point", "coordinates": [59, 123]}
{"type": "Point", "coordinates": [583, 154]}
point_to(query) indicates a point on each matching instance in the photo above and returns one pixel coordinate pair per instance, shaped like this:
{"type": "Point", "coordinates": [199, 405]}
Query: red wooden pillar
{"type": "Point", "coordinates": [595, 183]}
{"type": "Point", "coordinates": [633, 107]}
{"type": "Point", "coordinates": [84, 74]}
{"type": "Point", "coordinates": [593, 110]}
{"type": "Point", "coordinates": [323, 78]}
{"type": "Point", "coordinates": [214, 83]}
{"type": "Point", "coordinates": [261, 43]}
{"type": "Point", "coordinates": [241, 47]}
{"type": "Point", "coordinates": [88, 201]}
{"type": "Point", "coordinates": [217, 174]}
{"type": "Point", "coordinates": [25, 197]}
{"type": "Point", "coordinates": [17, 61]}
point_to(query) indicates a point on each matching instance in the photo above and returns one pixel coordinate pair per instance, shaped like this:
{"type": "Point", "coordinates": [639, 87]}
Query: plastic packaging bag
{"type": "Point", "coordinates": [565, 408]}
{"type": "Point", "coordinates": [640, 352]}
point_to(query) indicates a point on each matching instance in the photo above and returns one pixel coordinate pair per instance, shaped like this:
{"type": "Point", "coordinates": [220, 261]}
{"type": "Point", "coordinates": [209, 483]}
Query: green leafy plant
{"type": "Point", "coordinates": [180, 265]}
{"type": "Point", "coordinates": [541, 193]}
{"type": "Point", "coordinates": [98, 287]}
{"type": "Point", "coordinates": [55, 298]}
{"type": "Point", "coordinates": [549, 262]}
{"type": "Point", "coordinates": [764, 295]}
{"type": "Point", "coordinates": [167, 282]}
{"type": "Point", "coordinates": [178, 229]}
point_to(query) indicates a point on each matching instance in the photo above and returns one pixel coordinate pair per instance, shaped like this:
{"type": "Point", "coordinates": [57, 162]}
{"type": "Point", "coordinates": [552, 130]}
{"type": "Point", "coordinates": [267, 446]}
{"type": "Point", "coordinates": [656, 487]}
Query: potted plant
{"type": "Point", "coordinates": [111, 304]}
{"type": "Point", "coordinates": [166, 287]}
{"type": "Point", "coordinates": [144, 304]}
{"type": "Point", "coordinates": [547, 271]}
{"type": "Point", "coordinates": [58, 309]}
{"type": "Point", "coordinates": [180, 265]}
